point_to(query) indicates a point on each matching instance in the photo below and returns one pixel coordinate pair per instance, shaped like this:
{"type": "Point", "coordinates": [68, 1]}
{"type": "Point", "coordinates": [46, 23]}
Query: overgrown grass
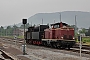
{"type": "Point", "coordinates": [14, 36]}
{"type": "Point", "coordinates": [9, 36]}
{"type": "Point", "coordinates": [86, 39]}
{"type": "Point", "coordinates": [20, 37]}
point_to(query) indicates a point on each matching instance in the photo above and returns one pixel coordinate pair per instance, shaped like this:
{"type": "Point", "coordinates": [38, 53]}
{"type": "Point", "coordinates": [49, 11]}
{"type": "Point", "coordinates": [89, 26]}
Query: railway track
{"type": "Point", "coordinates": [78, 51]}
{"type": "Point", "coordinates": [83, 46]}
{"type": "Point", "coordinates": [4, 56]}
{"type": "Point", "coordinates": [19, 42]}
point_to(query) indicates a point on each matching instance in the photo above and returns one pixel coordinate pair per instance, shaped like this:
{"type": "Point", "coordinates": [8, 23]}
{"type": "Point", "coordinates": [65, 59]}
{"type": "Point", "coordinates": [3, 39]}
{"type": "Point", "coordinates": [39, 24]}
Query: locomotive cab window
{"type": "Point", "coordinates": [56, 26]}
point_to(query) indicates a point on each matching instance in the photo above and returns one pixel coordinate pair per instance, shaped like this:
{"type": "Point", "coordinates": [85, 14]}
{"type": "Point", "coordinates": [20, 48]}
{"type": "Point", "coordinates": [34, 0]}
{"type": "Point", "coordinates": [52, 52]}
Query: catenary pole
{"type": "Point", "coordinates": [60, 17]}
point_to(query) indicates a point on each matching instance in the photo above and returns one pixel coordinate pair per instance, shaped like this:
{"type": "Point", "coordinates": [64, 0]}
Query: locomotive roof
{"type": "Point", "coordinates": [59, 24]}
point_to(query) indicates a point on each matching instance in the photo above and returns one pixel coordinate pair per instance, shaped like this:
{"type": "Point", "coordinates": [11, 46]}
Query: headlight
{"type": "Point", "coordinates": [62, 37]}
{"type": "Point", "coordinates": [73, 38]}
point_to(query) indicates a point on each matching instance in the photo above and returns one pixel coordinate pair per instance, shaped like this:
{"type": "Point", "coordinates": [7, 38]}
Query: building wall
{"type": "Point", "coordinates": [19, 32]}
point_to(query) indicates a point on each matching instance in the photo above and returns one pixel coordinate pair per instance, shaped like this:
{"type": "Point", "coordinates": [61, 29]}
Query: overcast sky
{"type": "Point", "coordinates": [13, 11]}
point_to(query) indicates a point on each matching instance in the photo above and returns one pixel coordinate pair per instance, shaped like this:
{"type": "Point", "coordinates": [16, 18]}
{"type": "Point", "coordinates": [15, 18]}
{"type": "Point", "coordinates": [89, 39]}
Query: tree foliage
{"type": "Point", "coordinates": [9, 30]}
{"type": "Point", "coordinates": [82, 31]}
{"type": "Point", "coordinates": [88, 33]}
{"type": "Point", "coordinates": [26, 26]}
{"type": "Point", "coordinates": [15, 26]}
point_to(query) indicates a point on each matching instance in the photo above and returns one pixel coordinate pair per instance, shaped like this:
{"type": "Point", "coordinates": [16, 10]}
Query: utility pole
{"type": "Point", "coordinates": [54, 21]}
{"type": "Point", "coordinates": [75, 26]}
{"type": "Point", "coordinates": [60, 17]}
{"type": "Point", "coordinates": [24, 22]}
{"type": "Point", "coordinates": [42, 21]}
{"type": "Point", "coordinates": [31, 23]}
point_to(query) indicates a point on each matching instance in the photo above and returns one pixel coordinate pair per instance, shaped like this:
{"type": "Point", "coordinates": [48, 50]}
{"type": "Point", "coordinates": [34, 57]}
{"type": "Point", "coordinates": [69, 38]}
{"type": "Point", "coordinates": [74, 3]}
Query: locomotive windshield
{"type": "Point", "coordinates": [56, 26]}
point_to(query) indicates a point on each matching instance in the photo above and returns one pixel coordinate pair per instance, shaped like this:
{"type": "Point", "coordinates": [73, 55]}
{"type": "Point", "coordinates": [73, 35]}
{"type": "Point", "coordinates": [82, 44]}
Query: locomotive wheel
{"type": "Point", "coordinates": [54, 45]}
{"type": "Point", "coordinates": [44, 43]}
{"type": "Point", "coordinates": [27, 41]}
{"type": "Point", "coordinates": [68, 47]}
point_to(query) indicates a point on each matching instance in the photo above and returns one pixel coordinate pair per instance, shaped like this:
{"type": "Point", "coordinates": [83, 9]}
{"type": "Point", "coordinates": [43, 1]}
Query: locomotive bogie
{"type": "Point", "coordinates": [57, 43]}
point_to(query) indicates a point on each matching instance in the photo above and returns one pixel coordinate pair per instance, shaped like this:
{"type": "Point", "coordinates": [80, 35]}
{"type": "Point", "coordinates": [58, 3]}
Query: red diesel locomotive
{"type": "Point", "coordinates": [60, 35]}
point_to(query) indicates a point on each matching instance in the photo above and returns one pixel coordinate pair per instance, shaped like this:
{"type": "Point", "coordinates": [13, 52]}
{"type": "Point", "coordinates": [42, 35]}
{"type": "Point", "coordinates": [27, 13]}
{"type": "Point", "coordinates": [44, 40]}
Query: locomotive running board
{"type": "Point", "coordinates": [56, 40]}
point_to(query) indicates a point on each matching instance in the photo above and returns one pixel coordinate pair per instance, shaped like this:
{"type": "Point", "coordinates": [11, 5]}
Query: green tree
{"type": "Point", "coordinates": [2, 31]}
{"type": "Point", "coordinates": [8, 27]}
{"type": "Point", "coordinates": [15, 26]}
{"type": "Point", "coordinates": [1, 27]}
{"type": "Point", "coordinates": [82, 31]}
{"type": "Point", "coordinates": [22, 26]}
{"type": "Point", "coordinates": [26, 26]}
{"type": "Point", "coordinates": [9, 31]}
{"type": "Point", "coordinates": [88, 33]}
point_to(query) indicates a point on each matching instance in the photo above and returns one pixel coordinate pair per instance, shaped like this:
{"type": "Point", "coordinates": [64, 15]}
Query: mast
{"type": "Point", "coordinates": [60, 21]}
{"type": "Point", "coordinates": [75, 26]}
{"type": "Point", "coordinates": [31, 23]}
{"type": "Point", "coordinates": [54, 21]}
{"type": "Point", "coordinates": [60, 17]}
{"type": "Point", "coordinates": [42, 21]}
